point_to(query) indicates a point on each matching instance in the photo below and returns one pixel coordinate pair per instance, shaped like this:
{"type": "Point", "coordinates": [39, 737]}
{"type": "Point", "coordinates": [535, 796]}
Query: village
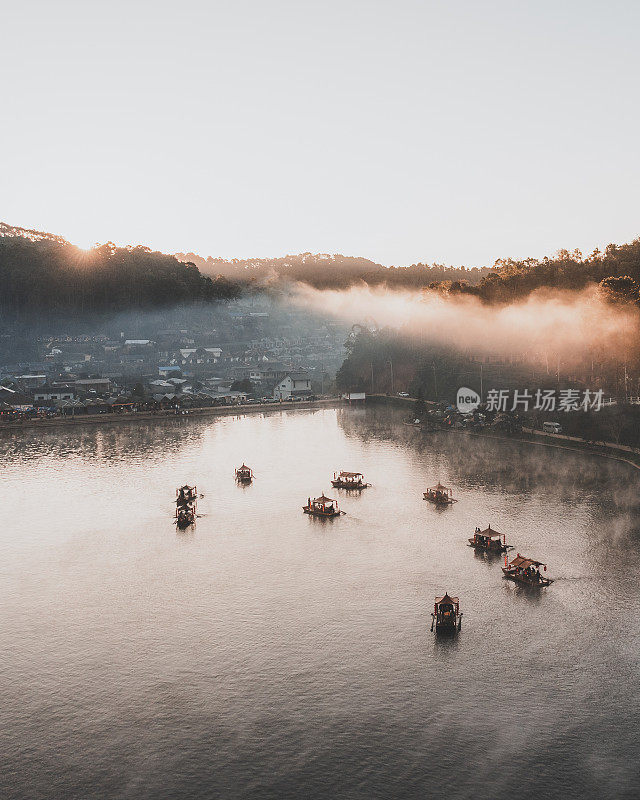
{"type": "Point", "coordinates": [251, 354]}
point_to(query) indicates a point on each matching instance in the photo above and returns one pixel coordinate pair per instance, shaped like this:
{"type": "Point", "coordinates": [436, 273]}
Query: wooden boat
{"type": "Point", "coordinates": [185, 516]}
{"type": "Point", "coordinates": [349, 480]}
{"type": "Point", "coordinates": [526, 570]}
{"type": "Point", "coordinates": [489, 540]}
{"type": "Point", "coordinates": [446, 615]}
{"type": "Point", "coordinates": [244, 474]}
{"type": "Point", "coordinates": [322, 507]}
{"type": "Point", "coordinates": [440, 495]}
{"type": "Point", "coordinates": [186, 495]}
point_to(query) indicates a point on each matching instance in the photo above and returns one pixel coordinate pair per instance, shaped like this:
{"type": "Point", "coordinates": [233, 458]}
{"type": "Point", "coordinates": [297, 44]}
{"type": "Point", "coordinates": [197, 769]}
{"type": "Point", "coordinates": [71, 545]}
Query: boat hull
{"type": "Point", "coordinates": [439, 502]}
{"type": "Point", "coordinates": [446, 626]}
{"type": "Point", "coordinates": [323, 514]}
{"type": "Point", "coordinates": [500, 549]}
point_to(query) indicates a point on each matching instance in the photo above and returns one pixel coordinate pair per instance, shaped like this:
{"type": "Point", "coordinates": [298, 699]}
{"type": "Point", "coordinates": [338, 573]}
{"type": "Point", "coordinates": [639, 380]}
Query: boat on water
{"type": "Point", "coordinates": [490, 540]}
{"type": "Point", "coordinates": [185, 517]}
{"type": "Point", "coordinates": [322, 507]}
{"type": "Point", "coordinates": [526, 570]}
{"type": "Point", "coordinates": [244, 474]}
{"type": "Point", "coordinates": [440, 495]}
{"type": "Point", "coordinates": [446, 615]}
{"type": "Point", "coordinates": [186, 495]}
{"type": "Point", "coordinates": [349, 480]}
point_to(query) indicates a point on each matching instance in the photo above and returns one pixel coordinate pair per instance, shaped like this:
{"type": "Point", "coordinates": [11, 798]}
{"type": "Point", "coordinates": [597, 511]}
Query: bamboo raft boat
{"type": "Point", "coordinates": [489, 540]}
{"type": "Point", "coordinates": [186, 495]}
{"type": "Point", "coordinates": [186, 504]}
{"type": "Point", "coordinates": [185, 517]}
{"type": "Point", "coordinates": [440, 495]}
{"type": "Point", "coordinates": [244, 474]}
{"type": "Point", "coordinates": [322, 507]}
{"type": "Point", "coordinates": [349, 480]}
{"type": "Point", "coordinates": [446, 615]}
{"type": "Point", "coordinates": [527, 571]}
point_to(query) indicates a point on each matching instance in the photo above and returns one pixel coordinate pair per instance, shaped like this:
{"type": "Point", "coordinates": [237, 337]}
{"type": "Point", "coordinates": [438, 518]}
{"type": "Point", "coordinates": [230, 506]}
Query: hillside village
{"type": "Point", "coordinates": [249, 351]}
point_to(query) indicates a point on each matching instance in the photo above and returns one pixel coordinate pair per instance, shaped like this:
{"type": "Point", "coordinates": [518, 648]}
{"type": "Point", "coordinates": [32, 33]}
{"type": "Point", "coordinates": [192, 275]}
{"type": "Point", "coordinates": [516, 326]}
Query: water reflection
{"type": "Point", "coordinates": [264, 653]}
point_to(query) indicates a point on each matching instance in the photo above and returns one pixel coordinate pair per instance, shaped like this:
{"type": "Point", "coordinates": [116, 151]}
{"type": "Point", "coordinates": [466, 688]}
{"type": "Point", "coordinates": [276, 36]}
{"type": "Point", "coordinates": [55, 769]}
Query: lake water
{"type": "Point", "coordinates": [266, 654]}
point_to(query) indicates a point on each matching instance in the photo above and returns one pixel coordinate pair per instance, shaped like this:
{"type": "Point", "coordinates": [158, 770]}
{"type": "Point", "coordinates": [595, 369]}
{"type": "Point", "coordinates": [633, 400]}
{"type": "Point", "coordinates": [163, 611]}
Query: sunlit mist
{"type": "Point", "coordinates": [567, 324]}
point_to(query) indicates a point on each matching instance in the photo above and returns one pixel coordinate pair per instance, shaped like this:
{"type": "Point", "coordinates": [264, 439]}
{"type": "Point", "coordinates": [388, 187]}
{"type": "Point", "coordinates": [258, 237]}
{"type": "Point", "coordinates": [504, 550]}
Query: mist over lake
{"type": "Point", "coordinates": [266, 654]}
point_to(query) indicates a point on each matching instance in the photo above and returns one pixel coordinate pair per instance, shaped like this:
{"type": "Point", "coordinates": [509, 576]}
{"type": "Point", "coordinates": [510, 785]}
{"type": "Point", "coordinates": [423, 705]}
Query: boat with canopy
{"type": "Point", "coordinates": [186, 495]}
{"type": "Point", "coordinates": [322, 507]}
{"type": "Point", "coordinates": [185, 516]}
{"type": "Point", "coordinates": [244, 474]}
{"type": "Point", "coordinates": [440, 495]}
{"type": "Point", "coordinates": [349, 480]}
{"type": "Point", "coordinates": [446, 615]}
{"type": "Point", "coordinates": [490, 540]}
{"type": "Point", "coordinates": [526, 570]}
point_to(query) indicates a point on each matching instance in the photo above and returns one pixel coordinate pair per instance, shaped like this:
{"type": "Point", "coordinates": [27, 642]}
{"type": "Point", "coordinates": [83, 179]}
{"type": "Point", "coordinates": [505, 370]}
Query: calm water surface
{"type": "Point", "coordinates": [265, 654]}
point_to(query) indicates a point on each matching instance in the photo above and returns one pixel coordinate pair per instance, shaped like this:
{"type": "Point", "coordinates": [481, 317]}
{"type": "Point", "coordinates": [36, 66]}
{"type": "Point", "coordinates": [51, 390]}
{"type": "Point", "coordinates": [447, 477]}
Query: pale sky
{"type": "Point", "coordinates": [406, 130]}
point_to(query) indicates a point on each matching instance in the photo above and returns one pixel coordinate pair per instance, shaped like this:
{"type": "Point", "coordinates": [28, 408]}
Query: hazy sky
{"type": "Point", "coordinates": [407, 130]}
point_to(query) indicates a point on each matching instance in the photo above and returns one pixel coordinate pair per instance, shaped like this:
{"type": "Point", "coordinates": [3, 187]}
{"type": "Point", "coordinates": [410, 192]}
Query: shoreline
{"type": "Point", "coordinates": [127, 418]}
{"type": "Point", "coordinates": [530, 436]}
{"type": "Point", "coordinates": [130, 417]}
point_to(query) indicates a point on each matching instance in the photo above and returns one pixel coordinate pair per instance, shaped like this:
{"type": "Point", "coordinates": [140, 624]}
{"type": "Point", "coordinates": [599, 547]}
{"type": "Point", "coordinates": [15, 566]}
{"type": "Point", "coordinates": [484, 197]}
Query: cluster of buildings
{"type": "Point", "coordinates": [258, 359]}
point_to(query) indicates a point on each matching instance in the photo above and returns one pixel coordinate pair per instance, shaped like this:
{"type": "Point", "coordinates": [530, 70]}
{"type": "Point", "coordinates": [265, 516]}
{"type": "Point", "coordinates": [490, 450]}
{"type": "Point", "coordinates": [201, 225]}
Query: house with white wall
{"type": "Point", "coordinates": [294, 385]}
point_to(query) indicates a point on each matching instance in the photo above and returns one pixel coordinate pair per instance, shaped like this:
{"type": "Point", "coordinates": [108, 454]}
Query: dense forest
{"type": "Point", "coordinates": [617, 270]}
{"type": "Point", "coordinates": [324, 271]}
{"type": "Point", "coordinates": [44, 274]}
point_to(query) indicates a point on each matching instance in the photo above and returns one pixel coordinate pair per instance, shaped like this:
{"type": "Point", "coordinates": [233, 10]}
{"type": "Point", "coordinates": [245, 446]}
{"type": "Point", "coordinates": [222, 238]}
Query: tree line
{"type": "Point", "coordinates": [324, 271]}
{"type": "Point", "coordinates": [616, 270]}
{"type": "Point", "coordinates": [44, 274]}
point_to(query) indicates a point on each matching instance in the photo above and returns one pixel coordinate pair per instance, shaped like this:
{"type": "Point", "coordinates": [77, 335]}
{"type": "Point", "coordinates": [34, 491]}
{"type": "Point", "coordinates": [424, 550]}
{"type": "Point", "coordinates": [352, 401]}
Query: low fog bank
{"type": "Point", "coordinates": [565, 324]}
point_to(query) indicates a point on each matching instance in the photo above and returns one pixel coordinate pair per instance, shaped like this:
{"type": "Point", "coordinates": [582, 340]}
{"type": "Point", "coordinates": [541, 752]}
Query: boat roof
{"type": "Point", "coordinates": [186, 486]}
{"type": "Point", "coordinates": [439, 487]}
{"type": "Point", "coordinates": [350, 474]}
{"type": "Point", "coordinates": [490, 533]}
{"type": "Point", "coordinates": [446, 598]}
{"type": "Point", "coordinates": [244, 466]}
{"type": "Point", "coordinates": [323, 499]}
{"type": "Point", "coordinates": [522, 561]}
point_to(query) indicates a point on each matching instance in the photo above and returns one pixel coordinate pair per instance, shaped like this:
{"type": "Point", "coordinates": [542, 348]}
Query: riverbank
{"type": "Point", "coordinates": [132, 417]}
{"type": "Point", "coordinates": [617, 452]}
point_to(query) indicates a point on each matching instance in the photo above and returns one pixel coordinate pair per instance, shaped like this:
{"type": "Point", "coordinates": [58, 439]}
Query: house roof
{"type": "Point", "coordinates": [523, 562]}
{"type": "Point", "coordinates": [489, 533]}
{"type": "Point", "coordinates": [446, 599]}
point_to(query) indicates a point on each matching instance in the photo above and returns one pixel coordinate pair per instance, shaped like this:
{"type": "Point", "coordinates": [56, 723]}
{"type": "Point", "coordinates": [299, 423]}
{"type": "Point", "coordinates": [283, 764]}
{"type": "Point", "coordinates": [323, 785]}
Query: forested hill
{"type": "Point", "coordinates": [324, 271]}
{"type": "Point", "coordinates": [508, 280]}
{"type": "Point", "coordinates": [617, 270]}
{"type": "Point", "coordinates": [42, 274]}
